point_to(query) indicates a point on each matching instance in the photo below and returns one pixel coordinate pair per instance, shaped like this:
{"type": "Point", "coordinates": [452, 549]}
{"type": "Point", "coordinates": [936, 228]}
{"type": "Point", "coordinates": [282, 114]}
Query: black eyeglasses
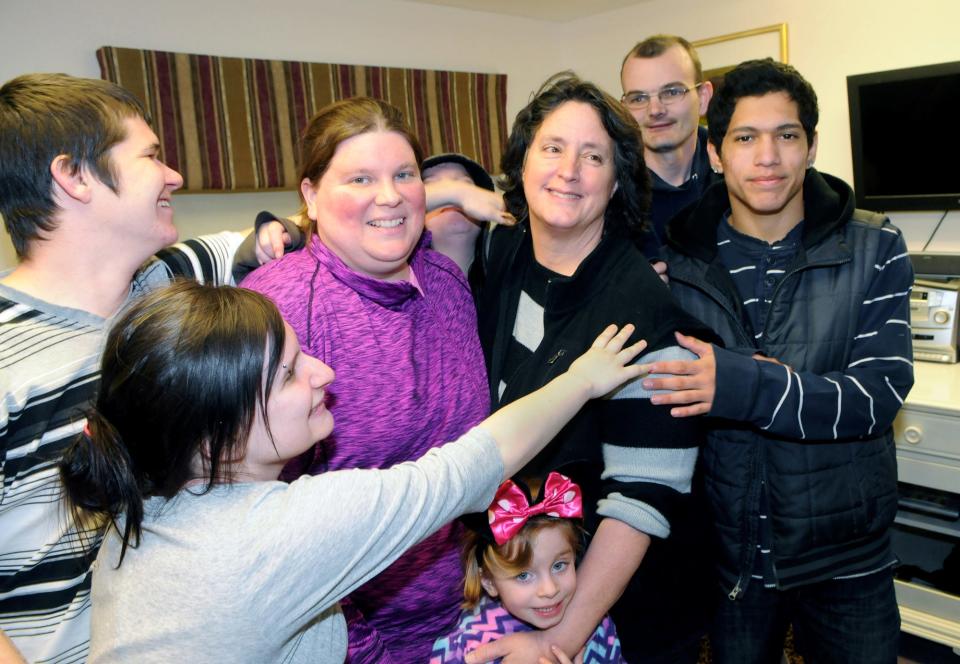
{"type": "Point", "coordinates": [638, 100]}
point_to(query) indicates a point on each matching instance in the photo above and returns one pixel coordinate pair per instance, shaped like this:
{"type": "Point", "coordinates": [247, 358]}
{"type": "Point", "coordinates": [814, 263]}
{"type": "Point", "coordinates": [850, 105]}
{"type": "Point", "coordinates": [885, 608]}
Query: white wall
{"type": "Point", "coordinates": [829, 39]}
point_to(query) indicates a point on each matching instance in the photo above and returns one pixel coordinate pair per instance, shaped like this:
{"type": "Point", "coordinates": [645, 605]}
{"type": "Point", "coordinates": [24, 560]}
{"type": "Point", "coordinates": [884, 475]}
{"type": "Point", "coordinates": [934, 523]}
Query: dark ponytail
{"type": "Point", "coordinates": [100, 482]}
{"type": "Point", "coordinates": [185, 370]}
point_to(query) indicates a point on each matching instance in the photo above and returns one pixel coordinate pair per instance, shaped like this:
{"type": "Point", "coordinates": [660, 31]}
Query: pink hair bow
{"type": "Point", "coordinates": [510, 510]}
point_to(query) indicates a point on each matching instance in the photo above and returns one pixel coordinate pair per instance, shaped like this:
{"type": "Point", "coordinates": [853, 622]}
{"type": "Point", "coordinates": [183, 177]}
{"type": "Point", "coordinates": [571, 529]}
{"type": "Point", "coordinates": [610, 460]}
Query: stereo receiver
{"type": "Point", "coordinates": [933, 318]}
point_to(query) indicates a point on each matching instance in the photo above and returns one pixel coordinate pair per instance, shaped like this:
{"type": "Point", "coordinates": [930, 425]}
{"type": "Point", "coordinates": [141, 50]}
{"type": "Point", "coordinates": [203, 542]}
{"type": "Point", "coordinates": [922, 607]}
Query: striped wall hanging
{"type": "Point", "coordinates": [233, 124]}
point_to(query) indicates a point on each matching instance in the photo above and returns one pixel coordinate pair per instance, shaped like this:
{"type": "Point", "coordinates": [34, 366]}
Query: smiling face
{"type": "Point", "coordinates": [539, 594]}
{"type": "Point", "coordinates": [296, 411]}
{"type": "Point", "coordinates": [369, 204]}
{"type": "Point", "coordinates": [666, 128]}
{"type": "Point", "coordinates": [137, 218]}
{"type": "Point", "coordinates": [568, 173]}
{"type": "Point", "coordinates": [764, 157]}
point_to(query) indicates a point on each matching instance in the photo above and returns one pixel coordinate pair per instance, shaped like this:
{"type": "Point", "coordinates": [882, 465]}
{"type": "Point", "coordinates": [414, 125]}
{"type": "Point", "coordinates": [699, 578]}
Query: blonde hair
{"type": "Point", "coordinates": [509, 558]}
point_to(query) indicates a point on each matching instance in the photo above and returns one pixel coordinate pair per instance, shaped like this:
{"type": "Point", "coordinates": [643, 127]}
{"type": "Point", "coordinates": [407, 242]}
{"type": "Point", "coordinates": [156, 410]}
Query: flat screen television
{"type": "Point", "coordinates": [905, 134]}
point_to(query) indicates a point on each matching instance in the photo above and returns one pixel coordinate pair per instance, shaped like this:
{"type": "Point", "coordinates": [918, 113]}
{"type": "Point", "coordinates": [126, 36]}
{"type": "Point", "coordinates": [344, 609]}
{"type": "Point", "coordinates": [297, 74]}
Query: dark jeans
{"type": "Point", "coordinates": [846, 621]}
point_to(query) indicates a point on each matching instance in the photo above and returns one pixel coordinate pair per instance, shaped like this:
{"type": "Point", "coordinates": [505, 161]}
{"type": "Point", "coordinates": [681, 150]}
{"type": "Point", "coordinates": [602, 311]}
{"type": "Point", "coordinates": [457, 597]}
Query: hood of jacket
{"type": "Point", "coordinates": [828, 203]}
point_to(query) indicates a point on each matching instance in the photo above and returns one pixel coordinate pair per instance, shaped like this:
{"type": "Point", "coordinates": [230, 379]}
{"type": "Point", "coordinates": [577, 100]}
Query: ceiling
{"type": "Point", "coordinates": [547, 10]}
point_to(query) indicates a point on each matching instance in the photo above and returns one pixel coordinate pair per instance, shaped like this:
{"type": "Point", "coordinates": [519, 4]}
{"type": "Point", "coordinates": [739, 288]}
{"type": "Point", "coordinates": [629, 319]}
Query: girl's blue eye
{"type": "Point", "coordinates": [523, 577]}
{"type": "Point", "coordinates": [560, 565]}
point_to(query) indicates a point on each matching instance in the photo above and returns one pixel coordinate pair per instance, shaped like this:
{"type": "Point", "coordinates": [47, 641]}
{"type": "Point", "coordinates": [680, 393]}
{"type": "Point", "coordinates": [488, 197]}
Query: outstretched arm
{"type": "Point", "coordinates": [521, 428]}
{"type": "Point", "coordinates": [479, 204]}
{"type": "Point", "coordinates": [405, 503]}
{"type": "Point", "coordinates": [455, 235]}
{"type": "Point", "coordinates": [208, 258]}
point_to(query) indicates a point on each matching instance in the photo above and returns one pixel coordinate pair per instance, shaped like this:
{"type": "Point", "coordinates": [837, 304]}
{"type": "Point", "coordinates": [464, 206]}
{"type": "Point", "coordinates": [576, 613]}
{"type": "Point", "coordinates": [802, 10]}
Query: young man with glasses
{"type": "Point", "coordinates": [662, 86]}
{"type": "Point", "coordinates": [663, 89]}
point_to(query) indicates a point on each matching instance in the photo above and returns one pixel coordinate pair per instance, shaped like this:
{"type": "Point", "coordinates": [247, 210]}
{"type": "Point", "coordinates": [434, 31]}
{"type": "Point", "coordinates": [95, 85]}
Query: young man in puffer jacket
{"type": "Point", "coordinates": [811, 298]}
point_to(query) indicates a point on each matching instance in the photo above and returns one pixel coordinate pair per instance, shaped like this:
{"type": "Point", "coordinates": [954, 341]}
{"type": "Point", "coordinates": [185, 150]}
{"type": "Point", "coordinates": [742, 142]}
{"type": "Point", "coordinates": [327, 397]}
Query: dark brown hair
{"type": "Point", "coordinates": [627, 211]}
{"type": "Point", "coordinates": [184, 372]}
{"type": "Point", "coordinates": [756, 78]}
{"type": "Point", "coordinates": [43, 116]}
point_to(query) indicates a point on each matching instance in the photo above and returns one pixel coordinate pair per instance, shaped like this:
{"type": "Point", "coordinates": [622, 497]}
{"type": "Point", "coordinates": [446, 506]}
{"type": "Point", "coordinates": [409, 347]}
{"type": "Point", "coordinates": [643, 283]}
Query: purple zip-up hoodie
{"type": "Point", "coordinates": [410, 376]}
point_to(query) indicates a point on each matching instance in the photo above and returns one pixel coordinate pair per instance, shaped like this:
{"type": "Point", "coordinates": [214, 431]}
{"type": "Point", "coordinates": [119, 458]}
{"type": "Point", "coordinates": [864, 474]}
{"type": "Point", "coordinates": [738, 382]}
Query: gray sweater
{"type": "Point", "coordinates": [252, 572]}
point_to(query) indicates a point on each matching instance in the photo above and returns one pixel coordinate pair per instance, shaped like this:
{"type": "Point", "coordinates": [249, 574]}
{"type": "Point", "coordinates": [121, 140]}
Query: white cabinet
{"type": "Point", "coordinates": [928, 454]}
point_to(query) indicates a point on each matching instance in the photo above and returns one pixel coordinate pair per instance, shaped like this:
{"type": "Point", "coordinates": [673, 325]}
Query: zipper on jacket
{"type": "Point", "coordinates": [546, 298]}
{"type": "Point", "coordinates": [736, 591]}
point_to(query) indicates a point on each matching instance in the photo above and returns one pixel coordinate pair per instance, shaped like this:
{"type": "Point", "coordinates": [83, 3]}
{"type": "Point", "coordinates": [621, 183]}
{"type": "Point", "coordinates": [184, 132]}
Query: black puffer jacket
{"type": "Point", "coordinates": [820, 433]}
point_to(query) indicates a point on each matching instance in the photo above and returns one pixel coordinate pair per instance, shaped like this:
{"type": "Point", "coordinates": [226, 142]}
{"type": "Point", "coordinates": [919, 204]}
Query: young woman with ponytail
{"type": "Point", "coordinates": [204, 397]}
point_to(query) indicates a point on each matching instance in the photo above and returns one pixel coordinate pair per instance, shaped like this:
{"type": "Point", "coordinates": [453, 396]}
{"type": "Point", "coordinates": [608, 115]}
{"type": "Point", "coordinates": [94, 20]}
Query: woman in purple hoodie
{"type": "Point", "coordinates": [396, 321]}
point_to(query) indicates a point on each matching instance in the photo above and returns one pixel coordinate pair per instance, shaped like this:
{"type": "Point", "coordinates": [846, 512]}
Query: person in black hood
{"type": "Point", "coordinates": [811, 298]}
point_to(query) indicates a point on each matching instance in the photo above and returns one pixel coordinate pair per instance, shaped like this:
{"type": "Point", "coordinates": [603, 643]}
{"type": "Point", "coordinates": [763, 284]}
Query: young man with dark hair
{"type": "Point", "coordinates": [86, 202]}
{"type": "Point", "coordinates": [811, 298]}
{"type": "Point", "coordinates": [663, 88]}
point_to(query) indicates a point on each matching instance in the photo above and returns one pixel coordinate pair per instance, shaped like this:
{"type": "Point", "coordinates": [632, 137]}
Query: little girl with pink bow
{"type": "Point", "coordinates": [520, 571]}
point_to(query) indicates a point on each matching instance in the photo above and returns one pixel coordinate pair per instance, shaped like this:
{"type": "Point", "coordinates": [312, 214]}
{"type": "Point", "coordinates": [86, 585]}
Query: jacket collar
{"type": "Point", "coordinates": [827, 205]}
{"type": "Point", "coordinates": [388, 294]}
{"type": "Point", "coordinates": [590, 277]}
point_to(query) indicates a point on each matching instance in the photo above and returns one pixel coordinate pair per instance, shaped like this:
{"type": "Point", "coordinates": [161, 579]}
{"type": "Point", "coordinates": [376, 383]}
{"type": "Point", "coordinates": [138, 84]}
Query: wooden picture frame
{"type": "Point", "coordinates": [718, 55]}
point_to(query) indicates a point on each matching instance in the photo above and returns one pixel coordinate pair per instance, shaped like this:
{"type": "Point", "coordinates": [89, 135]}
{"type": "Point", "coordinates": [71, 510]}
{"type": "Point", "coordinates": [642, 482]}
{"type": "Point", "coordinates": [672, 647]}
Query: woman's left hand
{"type": "Point", "coordinates": [606, 365]}
{"type": "Point", "coordinates": [660, 267]}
